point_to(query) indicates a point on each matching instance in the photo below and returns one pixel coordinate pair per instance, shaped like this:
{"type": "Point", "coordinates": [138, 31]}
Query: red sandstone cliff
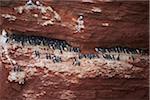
{"type": "Point", "coordinates": [127, 25]}
{"type": "Point", "coordinates": [127, 22]}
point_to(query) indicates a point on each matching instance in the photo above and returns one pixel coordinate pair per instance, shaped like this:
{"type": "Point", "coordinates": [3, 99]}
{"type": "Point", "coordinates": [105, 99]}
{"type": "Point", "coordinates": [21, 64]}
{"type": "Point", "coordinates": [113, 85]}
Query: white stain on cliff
{"type": "Point", "coordinates": [9, 17]}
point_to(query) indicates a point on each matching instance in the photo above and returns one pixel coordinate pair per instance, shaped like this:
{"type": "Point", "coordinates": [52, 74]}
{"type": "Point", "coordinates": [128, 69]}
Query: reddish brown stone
{"type": "Point", "coordinates": [128, 27]}
{"type": "Point", "coordinates": [128, 23]}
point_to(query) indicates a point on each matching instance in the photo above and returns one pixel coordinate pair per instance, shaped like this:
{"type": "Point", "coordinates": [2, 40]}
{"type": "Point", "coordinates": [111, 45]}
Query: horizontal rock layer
{"type": "Point", "coordinates": [127, 22]}
{"type": "Point", "coordinates": [57, 86]}
{"type": "Point", "coordinates": [107, 24]}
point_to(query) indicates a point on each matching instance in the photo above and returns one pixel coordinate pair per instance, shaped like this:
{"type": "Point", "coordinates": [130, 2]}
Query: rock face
{"type": "Point", "coordinates": [115, 23]}
{"type": "Point", "coordinates": [106, 24]}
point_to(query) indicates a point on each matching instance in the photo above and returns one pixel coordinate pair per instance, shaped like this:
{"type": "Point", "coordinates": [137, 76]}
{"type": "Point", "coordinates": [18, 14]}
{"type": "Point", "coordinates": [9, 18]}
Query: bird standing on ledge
{"type": "Point", "coordinates": [3, 37]}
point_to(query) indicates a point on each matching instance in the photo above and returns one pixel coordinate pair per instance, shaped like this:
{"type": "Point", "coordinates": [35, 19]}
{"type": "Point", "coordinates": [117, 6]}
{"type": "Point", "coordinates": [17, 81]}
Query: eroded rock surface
{"type": "Point", "coordinates": [106, 24]}
{"type": "Point", "coordinates": [118, 23]}
{"type": "Point", "coordinates": [33, 77]}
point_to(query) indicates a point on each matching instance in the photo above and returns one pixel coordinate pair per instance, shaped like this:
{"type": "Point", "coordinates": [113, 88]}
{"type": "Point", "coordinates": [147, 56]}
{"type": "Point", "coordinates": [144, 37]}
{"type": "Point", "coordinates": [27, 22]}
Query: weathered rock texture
{"type": "Point", "coordinates": [127, 22]}
{"type": "Point", "coordinates": [127, 26]}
